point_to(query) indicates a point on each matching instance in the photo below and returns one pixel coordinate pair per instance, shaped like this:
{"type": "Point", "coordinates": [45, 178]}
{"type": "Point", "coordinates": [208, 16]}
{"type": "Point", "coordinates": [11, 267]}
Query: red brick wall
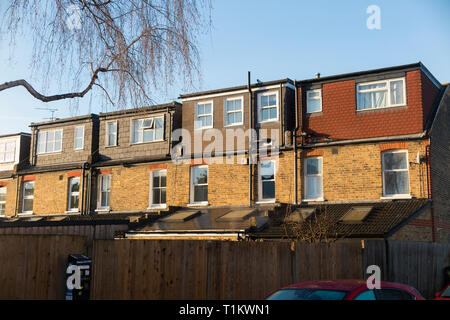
{"type": "Point", "coordinates": [340, 121]}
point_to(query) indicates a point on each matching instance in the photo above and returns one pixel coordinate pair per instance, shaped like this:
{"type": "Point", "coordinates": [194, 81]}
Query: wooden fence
{"type": "Point", "coordinates": [33, 266]}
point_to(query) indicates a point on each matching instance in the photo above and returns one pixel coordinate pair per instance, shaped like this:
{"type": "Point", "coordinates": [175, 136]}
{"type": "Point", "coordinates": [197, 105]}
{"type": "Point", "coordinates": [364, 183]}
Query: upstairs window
{"type": "Point", "coordinates": [313, 178]}
{"type": "Point", "coordinates": [7, 151]}
{"type": "Point", "coordinates": [268, 106]}
{"type": "Point", "coordinates": [204, 115]}
{"type": "Point", "coordinates": [78, 143]}
{"type": "Point", "coordinates": [381, 94]}
{"type": "Point", "coordinates": [233, 111]}
{"type": "Point", "coordinates": [147, 130]}
{"type": "Point", "coordinates": [2, 201]}
{"type": "Point", "coordinates": [314, 101]}
{"type": "Point", "coordinates": [50, 141]}
{"type": "Point", "coordinates": [395, 173]}
{"type": "Point", "coordinates": [111, 134]}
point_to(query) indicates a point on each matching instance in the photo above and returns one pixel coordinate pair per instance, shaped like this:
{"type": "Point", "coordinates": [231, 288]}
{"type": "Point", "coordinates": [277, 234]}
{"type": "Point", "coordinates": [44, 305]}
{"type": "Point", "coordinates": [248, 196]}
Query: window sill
{"type": "Point", "coordinates": [266, 201]}
{"type": "Point", "coordinates": [103, 210]}
{"type": "Point", "coordinates": [49, 153]}
{"type": "Point", "coordinates": [314, 114]}
{"type": "Point", "coordinates": [314, 200]}
{"type": "Point", "coordinates": [25, 214]}
{"type": "Point", "coordinates": [402, 106]}
{"type": "Point", "coordinates": [203, 128]}
{"type": "Point", "coordinates": [157, 207]}
{"type": "Point", "coordinates": [72, 211]}
{"type": "Point", "coordinates": [198, 204]}
{"type": "Point", "coordinates": [268, 121]}
{"type": "Point", "coordinates": [234, 125]}
{"type": "Point", "coordinates": [139, 143]}
{"type": "Point", "coordinates": [396, 197]}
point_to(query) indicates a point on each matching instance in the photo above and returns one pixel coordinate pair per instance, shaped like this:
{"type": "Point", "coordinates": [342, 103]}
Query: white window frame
{"type": "Point", "coordinates": [108, 133]}
{"type": "Point", "coordinates": [388, 88]}
{"type": "Point", "coordinates": [75, 138]}
{"type": "Point", "coordinates": [3, 190]}
{"type": "Point", "coordinates": [308, 99]}
{"type": "Point", "coordinates": [306, 175]}
{"type": "Point", "coordinates": [24, 197]}
{"type": "Point", "coordinates": [391, 196]}
{"type": "Point", "coordinates": [157, 205]}
{"type": "Point", "coordinates": [141, 132]}
{"type": "Point", "coordinates": [197, 123]}
{"type": "Point", "coordinates": [226, 113]}
{"type": "Point", "coordinates": [54, 141]}
{"type": "Point", "coordinates": [192, 186]}
{"type": "Point", "coordinates": [277, 106]}
{"type": "Point", "coordinates": [260, 182]}
{"type": "Point", "coordinates": [4, 151]}
{"type": "Point", "coordinates": [70, 194]}
{"type": "Point", "coordinates": [100, 190]}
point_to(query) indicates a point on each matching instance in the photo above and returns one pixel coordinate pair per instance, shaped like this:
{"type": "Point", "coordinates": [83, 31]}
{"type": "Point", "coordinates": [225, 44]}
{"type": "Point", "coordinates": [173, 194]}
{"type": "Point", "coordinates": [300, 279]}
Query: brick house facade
{"type": "Point", "coordinates": [377, 137]}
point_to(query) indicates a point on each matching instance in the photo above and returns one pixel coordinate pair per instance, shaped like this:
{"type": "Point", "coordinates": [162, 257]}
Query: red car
{"type": "Point", "coordinates": [345, 290]}
{"type": "Point", "coordinates": [444, 294]}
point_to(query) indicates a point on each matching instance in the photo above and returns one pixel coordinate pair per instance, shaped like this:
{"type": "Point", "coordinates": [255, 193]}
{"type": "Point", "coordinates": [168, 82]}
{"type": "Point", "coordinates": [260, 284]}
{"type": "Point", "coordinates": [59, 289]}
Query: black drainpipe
{"type": "Point", "coordinates": [250, 142]}
{"type": "Point", "coordinates": [294, 136]}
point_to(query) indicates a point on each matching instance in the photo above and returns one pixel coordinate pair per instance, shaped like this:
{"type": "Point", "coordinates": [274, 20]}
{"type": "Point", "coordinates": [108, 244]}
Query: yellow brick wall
{"type": "Point", "coordinates": [355, 172]}
{"type": "Point", "coordinates": [11, 189]}
{"type": "Point", "coordinates": [129, 188]}
{"type": "Point", "coordinates": [51, 193]}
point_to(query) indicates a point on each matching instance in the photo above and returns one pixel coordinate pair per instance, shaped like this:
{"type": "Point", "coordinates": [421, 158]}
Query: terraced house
{"type": "Point", "coordinates": [367, 150]}
{"type": "Point", "coordinates": [14, 152]}
{"type": "Point", "coordinates": [369, 144]}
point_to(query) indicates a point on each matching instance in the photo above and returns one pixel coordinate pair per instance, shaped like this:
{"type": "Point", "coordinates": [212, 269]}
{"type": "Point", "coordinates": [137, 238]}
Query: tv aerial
{"type": "Point", "coordinates": [51, 110]}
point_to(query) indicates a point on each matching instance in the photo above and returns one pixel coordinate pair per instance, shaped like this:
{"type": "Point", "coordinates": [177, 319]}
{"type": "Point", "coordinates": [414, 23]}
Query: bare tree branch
{"type": "Point", "coordinates": [138, 46]}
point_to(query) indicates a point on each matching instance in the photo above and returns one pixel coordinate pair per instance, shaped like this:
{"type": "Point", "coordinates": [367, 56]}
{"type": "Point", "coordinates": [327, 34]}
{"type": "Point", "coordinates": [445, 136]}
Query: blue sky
{"type": "Point", "coordinates": [274, 40]}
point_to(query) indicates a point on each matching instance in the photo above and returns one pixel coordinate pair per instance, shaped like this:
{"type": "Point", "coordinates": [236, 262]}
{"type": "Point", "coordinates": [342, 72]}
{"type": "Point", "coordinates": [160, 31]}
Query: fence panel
{"type": "Point", "coordinates": [33, 267]}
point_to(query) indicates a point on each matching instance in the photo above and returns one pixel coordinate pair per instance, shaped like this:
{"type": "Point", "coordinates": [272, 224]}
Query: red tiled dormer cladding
{"type": "Point", "coordinates": [339, 119]}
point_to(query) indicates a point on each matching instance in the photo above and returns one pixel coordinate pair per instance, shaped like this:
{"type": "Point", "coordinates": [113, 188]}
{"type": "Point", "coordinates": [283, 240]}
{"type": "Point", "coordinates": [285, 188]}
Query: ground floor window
{"type": "Point", "coordinates": [28, 197]}
{"type": "Point", "coordinates": [2, 201]}
{"type": "Point", "coordinates": [267, 180]}
{"type": "Point", "coordinates": [313, 178]}
{"type": "Point", "coordinates": [158, 185]}
{"type": "Point", "coordinates": [104, 191]}
{"type": "Point", "coordinates": [199, 184]}
{"type": "Point", "coordinates": [74, 194]}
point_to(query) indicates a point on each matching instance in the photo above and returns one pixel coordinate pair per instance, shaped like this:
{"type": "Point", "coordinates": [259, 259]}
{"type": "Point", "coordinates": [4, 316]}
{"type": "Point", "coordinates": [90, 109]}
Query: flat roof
{"type": "Point", "coordinates": [231, 89]}
{"type": "Point", "coordinates": [156, 107]}
{"type": "Point", "coordinates": [15, 134]}
{"type": "Point", "coordinates": [411, 66]}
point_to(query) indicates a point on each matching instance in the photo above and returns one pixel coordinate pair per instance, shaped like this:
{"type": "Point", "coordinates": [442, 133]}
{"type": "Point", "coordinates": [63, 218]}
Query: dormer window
{"type": "Point", "coordinates": [268, 106]}
{"type": "Point", "coordinates": [50, 141]}
{"type": "Point", "coordinates": [314, 101]}
{"type": "Point", "coordinates": [381, 94]}
{"type": "Point", "coordinates": [204, 115]}
{"type": "Point", "coordinates": [7, 151]}
{"type": "Point", "coordinates": [147, 130]}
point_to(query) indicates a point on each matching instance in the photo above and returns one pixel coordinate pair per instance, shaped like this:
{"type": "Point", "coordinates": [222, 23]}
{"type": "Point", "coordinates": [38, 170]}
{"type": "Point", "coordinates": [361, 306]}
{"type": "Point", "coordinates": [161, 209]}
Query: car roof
{"type": "Point", "coordinates": [342, 285]}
